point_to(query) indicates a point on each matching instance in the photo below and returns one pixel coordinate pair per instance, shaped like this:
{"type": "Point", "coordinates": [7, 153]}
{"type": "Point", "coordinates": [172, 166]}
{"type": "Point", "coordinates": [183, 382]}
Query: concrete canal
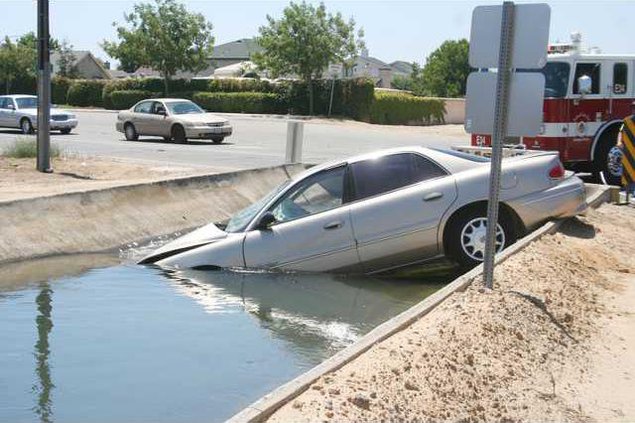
{"type": "Point", "coordinates": [95, 339]}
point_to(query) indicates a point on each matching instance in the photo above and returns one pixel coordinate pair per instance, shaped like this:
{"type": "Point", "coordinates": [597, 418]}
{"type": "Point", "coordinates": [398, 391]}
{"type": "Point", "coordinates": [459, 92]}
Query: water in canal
{"type": "Point", "coordinates": [92, 339]}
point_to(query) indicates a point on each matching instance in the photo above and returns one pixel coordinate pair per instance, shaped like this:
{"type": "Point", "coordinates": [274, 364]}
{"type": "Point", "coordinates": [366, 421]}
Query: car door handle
{"type": "Point", "coordinates": [432, 196]}
{"type": "Point", "coordinates": [333, 225]}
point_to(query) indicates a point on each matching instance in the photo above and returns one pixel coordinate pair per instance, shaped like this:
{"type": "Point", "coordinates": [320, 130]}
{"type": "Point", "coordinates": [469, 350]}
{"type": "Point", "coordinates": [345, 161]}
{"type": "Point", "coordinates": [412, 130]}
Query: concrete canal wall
{"type": "Point", "coordinates": [266, 406]}
{"type": "Point", "coordinates": [101, 220]}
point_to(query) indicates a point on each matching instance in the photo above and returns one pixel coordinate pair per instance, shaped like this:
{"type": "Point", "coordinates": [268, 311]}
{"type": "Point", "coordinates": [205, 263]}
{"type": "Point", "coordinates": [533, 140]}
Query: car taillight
{"type": "Point", "coordinates": [557, 171]}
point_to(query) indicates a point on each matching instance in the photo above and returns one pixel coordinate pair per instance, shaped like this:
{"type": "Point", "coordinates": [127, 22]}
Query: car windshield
{"type": "Point", "coordinates": [240, 220]}
{"type": "Point", "coordinates": [183, 108]}
{"type": "Point", "coordinates": [26, 102]}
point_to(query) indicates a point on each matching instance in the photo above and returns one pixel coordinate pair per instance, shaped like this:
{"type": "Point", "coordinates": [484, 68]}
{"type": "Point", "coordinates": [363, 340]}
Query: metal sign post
{"type": "Point", "coordinates": [505, 101]}
{"type": "Point", "coordinates": [500, 126]}
{"type": "Point", "coordinates": [43, 88]}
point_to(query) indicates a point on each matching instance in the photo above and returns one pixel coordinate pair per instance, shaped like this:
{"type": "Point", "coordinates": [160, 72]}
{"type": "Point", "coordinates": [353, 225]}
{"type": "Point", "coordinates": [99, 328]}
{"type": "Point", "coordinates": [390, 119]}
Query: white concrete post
{"type": "Point", "coordinates": [295, 134]}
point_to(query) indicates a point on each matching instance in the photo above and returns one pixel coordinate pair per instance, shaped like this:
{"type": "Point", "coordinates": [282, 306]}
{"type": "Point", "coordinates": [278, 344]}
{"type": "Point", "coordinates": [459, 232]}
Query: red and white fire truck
{"type": "Point", "coordinates": [586, 97]}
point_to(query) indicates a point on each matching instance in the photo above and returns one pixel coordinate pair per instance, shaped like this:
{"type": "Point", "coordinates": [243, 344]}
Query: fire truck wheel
{"type": "Point", "coordinates": [601, 160]}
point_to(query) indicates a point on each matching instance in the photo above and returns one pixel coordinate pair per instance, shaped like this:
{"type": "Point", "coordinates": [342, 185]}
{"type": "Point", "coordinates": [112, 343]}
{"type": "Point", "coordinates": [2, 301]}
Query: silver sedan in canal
{"type": "Point", "coordinates": [20, 111]}
{"type": "Point", "coordinates": [382, 211]}
{"type": "Point", "coordinates": [173, 119]}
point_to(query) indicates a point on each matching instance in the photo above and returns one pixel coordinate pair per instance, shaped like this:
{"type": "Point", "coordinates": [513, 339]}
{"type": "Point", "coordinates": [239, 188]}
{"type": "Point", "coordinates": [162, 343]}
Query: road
{"type": "Point", "coordinates": [256, 141]}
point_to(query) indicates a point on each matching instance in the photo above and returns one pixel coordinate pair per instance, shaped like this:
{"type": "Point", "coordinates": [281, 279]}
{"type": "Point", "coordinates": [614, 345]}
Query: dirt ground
{"type": "Point", "coordinates": [554, 341]}
{"type": "Point", "coordinates": [19, 179]}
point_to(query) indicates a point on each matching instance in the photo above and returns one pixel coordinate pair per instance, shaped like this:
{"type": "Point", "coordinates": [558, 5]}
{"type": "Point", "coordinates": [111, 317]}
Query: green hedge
{"type": "Point", "coordinates": [241, 102]}
{"type": "Point", "coordinates": [125, 99]}
{"type": "Point", "coordinates": [86, 92]}
{"type": "Point", "coordinates": [405, 109]}
{"type": "Point", "coordinates": [59, 89]}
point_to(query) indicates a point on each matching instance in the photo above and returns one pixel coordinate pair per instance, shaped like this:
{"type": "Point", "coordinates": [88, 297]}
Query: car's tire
{"type": "Point", "coordinates": [130, 132]}
{"type": "Point", "coordinates": [466, 233]}
{"type": "Point", "coordinates": [178, 134]}
{"type": "Point", "coordinates": [601, 170]}
{"type": "Point", "coordinates": [26, 126]}
{"type": "Point", "coordinates": [167, 139]}
{"type": "Point", "coordinates": [217, 140]}
{"type": "Point", "coordinates": [66, 131]}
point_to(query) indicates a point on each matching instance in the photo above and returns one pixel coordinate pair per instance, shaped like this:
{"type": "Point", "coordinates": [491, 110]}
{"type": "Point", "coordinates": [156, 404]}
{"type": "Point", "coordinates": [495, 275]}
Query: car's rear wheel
{"type": "Point", "coordinates": [178, 134]}
{"type": "Point", "coordinates": [26, 126]}
{"type": "Point", "coordinates": [466, 237]}
{"type": "Point", "coordinates": [217, 140]}
{"type": "Point", "coordinates": [66, 131]}
{"type": "Point", "coordinates": [130, 132]}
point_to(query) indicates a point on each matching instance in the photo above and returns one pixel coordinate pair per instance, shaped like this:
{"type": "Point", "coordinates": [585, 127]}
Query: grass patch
{"type": "Point", "coordinates": [27, 148]}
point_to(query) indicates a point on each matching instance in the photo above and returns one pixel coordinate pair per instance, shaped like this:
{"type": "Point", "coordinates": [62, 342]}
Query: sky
{"type": "Point", "coordinates": [394, 30]}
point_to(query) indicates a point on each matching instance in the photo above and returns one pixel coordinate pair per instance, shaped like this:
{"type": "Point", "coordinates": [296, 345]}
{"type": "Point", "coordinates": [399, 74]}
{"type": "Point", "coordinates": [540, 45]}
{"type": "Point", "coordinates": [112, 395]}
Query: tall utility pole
{"type": "Point", "coordinates": [43, 88]}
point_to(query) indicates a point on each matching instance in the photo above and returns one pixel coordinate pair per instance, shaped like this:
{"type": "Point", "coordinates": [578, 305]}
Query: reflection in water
{"type": "Point", "coordinates": [316, 314]}
{"type": "Point", "coordinates": [44, 407]}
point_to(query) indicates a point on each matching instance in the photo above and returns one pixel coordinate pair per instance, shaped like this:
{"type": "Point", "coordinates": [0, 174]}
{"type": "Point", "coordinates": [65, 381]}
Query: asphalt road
{"type": "Point", "coordinates": [256, 141]}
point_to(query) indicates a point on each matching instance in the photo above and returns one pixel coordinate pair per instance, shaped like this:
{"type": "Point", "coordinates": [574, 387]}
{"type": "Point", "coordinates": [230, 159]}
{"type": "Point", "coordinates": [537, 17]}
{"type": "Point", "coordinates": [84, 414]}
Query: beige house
{"type": "Point", "coordinates": [86, 65]}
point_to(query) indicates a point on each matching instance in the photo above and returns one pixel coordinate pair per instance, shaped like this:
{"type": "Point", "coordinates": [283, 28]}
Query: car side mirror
{"type": "Point", "coordinates": [585, 85]}
{"type": "Point", "coordinates": [266, 221]}
{"type": "Point", "coordinates": [161, 112]}
{"type": "Point", "coordinates": [11, 107]}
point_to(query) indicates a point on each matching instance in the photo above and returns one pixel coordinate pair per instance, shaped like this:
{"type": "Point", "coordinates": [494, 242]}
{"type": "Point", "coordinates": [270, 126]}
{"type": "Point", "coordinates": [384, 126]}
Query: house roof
{"type": "Point", "coordinates": [79, 56]}
{"type": "Point", "coordinates": [400, 66]}
{"type": "Point", "coordinates": [239, 49]}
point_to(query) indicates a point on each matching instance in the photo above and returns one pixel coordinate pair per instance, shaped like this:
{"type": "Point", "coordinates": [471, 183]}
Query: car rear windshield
{"type": "Point", "coordinates": [462, 155]}
{"type": "Point", "coordinates": [26, 102]}
{"type": "Point", "coordinates": [183, 108]}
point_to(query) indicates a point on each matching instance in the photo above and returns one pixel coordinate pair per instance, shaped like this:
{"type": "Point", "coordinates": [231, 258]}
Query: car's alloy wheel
{"type": "Point", "coordinates": [130, 132]}
{"type": "Point", "coordinates": [474, 236]}
{"type": "Point", "coordinates": [65, 131]}
{"type": "Point", "coordinates": [26, 126]}
{"type": "Point", "coordinates": [466, 233]}
{"type": "Point", "coordinates": [217, 140]}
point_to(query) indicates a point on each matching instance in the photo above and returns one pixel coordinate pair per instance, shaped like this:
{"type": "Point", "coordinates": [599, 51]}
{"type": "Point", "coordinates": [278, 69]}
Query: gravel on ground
{"type": "Point", "coordinates": [554, 341]}
{"type": "Point", "coordinates": [19, 179]}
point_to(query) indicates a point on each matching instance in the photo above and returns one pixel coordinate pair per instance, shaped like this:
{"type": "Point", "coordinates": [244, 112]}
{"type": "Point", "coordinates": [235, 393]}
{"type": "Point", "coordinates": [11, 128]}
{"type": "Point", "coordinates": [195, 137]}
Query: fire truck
{"type": "Point", "coordinates": [587, 94]}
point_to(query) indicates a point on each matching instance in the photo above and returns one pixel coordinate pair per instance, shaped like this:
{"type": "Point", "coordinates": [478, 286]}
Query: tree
{"type": "Point", "coordinates": [446, 70]}
{"type": "Point", "coordinates": [66, 61]}
{"type": "Point", "coordinates": [163, 36]}
{"type": "Point", "coordinates": [305, 41]}
{"type": "Point", "coordinates": [16, 60]}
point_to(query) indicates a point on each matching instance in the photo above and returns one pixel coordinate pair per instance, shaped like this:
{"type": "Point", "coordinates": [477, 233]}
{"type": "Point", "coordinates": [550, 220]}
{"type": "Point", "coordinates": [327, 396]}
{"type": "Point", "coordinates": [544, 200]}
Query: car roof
{"type": "Point", "coordinates": [449, 162]}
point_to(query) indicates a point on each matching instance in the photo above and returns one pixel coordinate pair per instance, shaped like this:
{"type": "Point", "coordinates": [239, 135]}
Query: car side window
{"type": "Point", "coordinates": [317, 193]}
{"type": "Point", "coordinates": [424, 169]}
{"type": "Point", "coordinates": [143, 107]}
{"type": "Point", "coordinates": [377, 176]}
{"type": "Point", "coordinates": [3, 103]}
{"type": "Point", "coordinates": [155, 107]}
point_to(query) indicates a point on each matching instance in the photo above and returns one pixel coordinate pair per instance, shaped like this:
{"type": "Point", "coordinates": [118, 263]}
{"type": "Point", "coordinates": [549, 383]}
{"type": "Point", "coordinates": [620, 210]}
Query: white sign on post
{"type": "Point", "coordinates": [524, 111]}
{"type": "Point", "coordinates": [530, 39]}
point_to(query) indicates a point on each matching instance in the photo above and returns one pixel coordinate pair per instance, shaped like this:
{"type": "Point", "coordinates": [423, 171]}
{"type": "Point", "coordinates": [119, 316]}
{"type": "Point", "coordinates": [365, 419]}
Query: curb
{"type": "Point", "coordinates": [263, 408]}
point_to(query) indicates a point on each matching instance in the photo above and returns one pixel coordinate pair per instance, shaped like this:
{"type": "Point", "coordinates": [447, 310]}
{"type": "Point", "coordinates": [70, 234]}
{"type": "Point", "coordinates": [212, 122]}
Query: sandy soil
{"type": "Point", "coordinates": [19, 179]}
{"type": "Point", "coordinates": [554, 341]}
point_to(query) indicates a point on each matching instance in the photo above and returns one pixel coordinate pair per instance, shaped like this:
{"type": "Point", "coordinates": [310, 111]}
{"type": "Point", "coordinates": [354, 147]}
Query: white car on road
{"type": "Point", "coordinates": [20, 111]}
{"type": "Point", "coordinates": [172, 119]}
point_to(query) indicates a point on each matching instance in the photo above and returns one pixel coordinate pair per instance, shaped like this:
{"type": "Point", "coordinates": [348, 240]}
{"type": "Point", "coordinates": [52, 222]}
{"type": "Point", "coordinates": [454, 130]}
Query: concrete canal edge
{"type": "Point", "coordinates": [105, 219]}
{"type": "Point", "coordinates": [263, 408]}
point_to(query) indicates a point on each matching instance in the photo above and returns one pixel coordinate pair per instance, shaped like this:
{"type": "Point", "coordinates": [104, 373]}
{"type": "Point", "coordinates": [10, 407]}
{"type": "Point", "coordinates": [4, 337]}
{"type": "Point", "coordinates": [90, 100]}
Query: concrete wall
{"type": "Point", "coordinates": [106, 219]}
{"type": "Point", "coordinates": [454, 110]}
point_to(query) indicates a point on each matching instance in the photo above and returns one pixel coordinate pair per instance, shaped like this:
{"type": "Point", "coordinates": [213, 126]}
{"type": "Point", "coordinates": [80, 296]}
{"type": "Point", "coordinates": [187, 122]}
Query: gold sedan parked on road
{"type": "Point", "coordinates": [173, 119]}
